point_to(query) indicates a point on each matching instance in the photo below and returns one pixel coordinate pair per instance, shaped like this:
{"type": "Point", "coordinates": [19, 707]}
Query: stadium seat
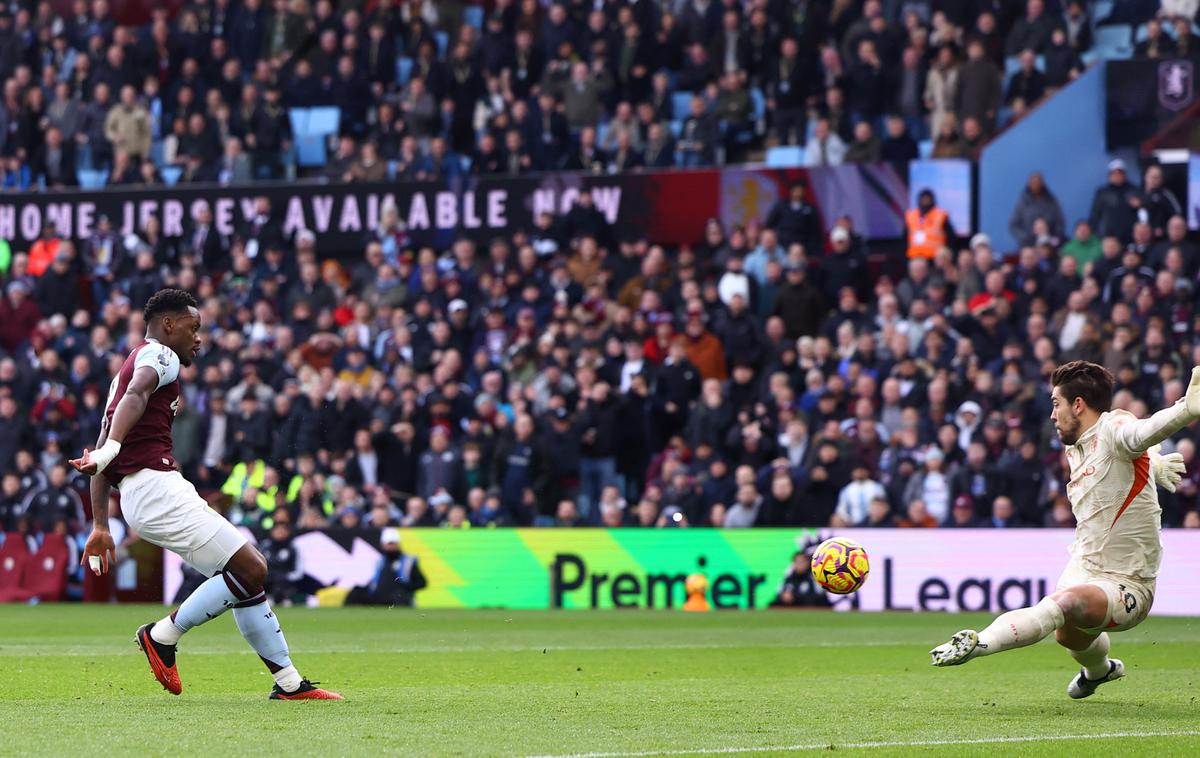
{"type": "Point", "coordinates": [601, 132]}
{"type": "Point", "coordinates": [785, 156]}
{"type": "Point", "coordinates": [310, 150]}
{"type": "Point", "coordinates": [324, 121]}
{"type": "Point", "coordinates": [298, 117]}
{"type": "Point", "coordinates": [45, 572]}
{"type": "Point", "coordinates": [156, 153]}
{"type": "Point", "coordinates": [1114, 40]}
{"type": "Point", "coordinates": [925, 149]}
{"type": "Point", "coordinates": [676, 128]}
{"type": "Point", "coordinates": [13, 556]}
{"type": "Point", "coordinates": [91, 178]}
{"type": "Point", "coordinates": [404, 67]}
{"type": "Point", "coordinates": [170, 175]}
{"type": "Point", "coordinates": [681, 105]}
{"type": "Point", "coordinates": [473, 16]}
{"type": "Point", "coordinates": [443, 43]}
{"type": "Point", "coordinates": [759, 103]}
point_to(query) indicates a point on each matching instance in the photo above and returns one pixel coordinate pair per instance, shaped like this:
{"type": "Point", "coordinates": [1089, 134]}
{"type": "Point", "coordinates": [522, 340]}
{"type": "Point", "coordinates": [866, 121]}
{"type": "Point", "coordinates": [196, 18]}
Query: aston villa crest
{"type": "Point", "coordinates": [1175, 84]}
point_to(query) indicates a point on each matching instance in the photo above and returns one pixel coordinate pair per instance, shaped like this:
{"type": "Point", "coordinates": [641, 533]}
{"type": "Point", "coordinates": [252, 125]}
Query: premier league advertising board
{"type": "Point", "coordinates": [911, 569]}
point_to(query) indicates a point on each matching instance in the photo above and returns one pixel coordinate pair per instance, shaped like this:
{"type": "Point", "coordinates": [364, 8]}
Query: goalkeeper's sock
{"type": "Point", "coordinates": [259, 625]}
{"type": "Point", "coordinates": [1019, 628]}
{"type": "Point", "coordinates": [209, 600]}
{"type": "Point", "coordinates": [1094, 658]}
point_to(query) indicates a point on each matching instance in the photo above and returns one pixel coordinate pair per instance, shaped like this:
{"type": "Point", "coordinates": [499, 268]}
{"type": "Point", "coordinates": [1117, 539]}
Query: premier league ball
{"type": "Point", "coordinates": [840, 565]}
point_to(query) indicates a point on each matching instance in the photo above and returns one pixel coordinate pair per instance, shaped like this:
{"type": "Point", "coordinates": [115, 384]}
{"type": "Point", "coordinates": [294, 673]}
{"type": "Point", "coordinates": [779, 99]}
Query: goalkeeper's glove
{"type": "Point", "coordinates": [1168, 469]}
{"type": "Point", "coordinates": [1192, 395]}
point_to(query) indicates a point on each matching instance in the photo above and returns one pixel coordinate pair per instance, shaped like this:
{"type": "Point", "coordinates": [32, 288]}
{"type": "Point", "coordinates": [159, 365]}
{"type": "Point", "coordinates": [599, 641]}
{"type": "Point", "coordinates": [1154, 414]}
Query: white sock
{"type": "Point", "coordinates": [165, 632]}
{"type": "Point", "coordinates": [1094, 658]}
{"type": "Point", "coordinates": [1019, 628]}
{"type": "Point", "coordinates": [288, 678]}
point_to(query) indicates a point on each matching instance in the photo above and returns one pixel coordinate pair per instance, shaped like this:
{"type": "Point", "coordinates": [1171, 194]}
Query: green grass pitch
{"type": "Point", "coordinates": [597, 683]}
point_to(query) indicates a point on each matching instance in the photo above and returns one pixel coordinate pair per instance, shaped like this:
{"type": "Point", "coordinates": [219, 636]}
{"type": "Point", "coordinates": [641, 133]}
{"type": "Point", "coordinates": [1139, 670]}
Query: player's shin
{"type": "Point", "coordinates": [259, 625]}
{"type": "Point", "coordinates": [1019, 628]}
{"type": "Point", "coordinates": [1094, 658]}
{"type": "Point", "coordinates": [209, 600]}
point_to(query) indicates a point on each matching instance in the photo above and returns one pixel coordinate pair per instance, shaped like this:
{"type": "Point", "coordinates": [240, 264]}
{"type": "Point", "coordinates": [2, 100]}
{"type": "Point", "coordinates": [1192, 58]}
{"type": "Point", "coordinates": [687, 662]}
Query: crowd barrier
{"type": "Point", "coordinates": [667, 207]}
{"type": "Point", "coordinates": [917, 570]}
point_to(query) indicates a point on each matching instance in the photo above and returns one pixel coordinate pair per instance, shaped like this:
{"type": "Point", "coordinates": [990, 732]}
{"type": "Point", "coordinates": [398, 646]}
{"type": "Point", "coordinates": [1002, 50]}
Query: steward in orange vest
{"type": "Point", "coordinates": [926, 224]}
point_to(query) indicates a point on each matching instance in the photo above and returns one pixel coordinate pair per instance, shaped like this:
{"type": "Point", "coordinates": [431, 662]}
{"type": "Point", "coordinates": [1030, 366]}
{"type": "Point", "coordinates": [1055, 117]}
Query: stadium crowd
{"type": "Point", "coordinates": [571, 374]}
{"type": "Point", "coordinates": [427, 90]}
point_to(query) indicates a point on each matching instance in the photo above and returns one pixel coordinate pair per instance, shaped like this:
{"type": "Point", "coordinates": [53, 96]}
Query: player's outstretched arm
{"type": "Point", "coordinates": [1136, 437]}
{"type": "Point", "coordinates": [130, 408]}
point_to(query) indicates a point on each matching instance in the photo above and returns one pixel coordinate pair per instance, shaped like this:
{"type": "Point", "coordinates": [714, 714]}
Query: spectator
{"type": "Point", "coordinates": [1036, 202]}
{"type": "Point", "coordinates": [918, 517]}
{"type": "Point", "coordinates": [1157, 204]}
{"type": "Point", "coordinates": [1156, 44]}
{"type": "Point", "coordinates": [824, 148]}
{"type": "Point", "coordinates": [700, 136]}
{"type": "Point", "coordinates": [795, 221]}
{"type": "Point", "coordinates": [788, 89]}
{"type": "Point", "coordinates": [1028, 84]}
{"type": "Point", "coordinates": [898, 148]}
{"type": "Point", "coordinates": [127, 125]}
{"type": "Point", "coordinates": [1113, 213]}
{"type": "Point", "coordinates": [798, 589]}
{"type": "Point", "coordinates": [1030, 32]}
{"type": "Point", "coordinates": [941, 88]}
{"type": "Point", "coordinates": [853, 503]}
{"type": "Point", "coordinates": [978, 92]}
{"type": "Point", "coordinates": [866, 147]}
{"type": "Point", "coordinates": [1062, 61]}
{"type": "Point", "coordinates": [928, 226]}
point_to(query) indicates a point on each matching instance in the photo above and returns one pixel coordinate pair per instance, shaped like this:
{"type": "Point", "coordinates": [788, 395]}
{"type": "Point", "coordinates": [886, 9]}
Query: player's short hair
{"type": "Point", "coordinates": [168, 301]}
{"type": "Point", "coordinates": [1087, 380]}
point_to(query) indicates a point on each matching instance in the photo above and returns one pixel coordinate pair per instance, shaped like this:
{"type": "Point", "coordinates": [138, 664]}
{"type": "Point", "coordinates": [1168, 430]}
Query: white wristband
{"type": "Point", "coordinates": [103, 455]}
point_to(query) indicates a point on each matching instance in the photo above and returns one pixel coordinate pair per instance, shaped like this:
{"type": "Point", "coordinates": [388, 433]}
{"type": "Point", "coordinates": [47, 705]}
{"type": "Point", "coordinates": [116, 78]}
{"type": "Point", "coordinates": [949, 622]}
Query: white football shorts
{"type": "Point", "coordinates": [1128, 601]}
{"type": "Point", "coordinates": [165, 509]}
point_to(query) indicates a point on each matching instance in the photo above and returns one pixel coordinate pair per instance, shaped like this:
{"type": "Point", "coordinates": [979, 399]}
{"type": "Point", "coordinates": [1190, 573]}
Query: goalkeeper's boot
{"type": "Point", "coordinates": [161, 658]}
{"type": "Point", "coordinates": [1081, 687]}
{"type": "Point", "coordinates": [306, 691]}
{"type": "Point", "coordinates": [957, 651]}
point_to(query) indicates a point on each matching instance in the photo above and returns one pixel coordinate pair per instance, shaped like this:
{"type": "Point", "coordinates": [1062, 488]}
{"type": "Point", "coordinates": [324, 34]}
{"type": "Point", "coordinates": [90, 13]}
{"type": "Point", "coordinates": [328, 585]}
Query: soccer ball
{"type": "Point", "coordinates": [840, 565]}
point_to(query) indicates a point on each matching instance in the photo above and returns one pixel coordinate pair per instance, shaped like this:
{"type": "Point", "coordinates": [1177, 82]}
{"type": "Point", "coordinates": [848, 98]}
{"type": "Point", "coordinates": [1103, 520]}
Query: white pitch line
{"type": "Point", "coordinates": [866, 745]}
{"type": "Point", "coordinates": [40, 650]}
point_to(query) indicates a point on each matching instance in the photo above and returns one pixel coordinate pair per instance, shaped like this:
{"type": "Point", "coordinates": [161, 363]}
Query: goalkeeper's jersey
{"type": "Point", "coordinates": [1115, 500]}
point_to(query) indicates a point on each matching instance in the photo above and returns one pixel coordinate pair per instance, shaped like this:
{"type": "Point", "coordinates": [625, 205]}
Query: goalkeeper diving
{"type": "Point", "coordinates": [1108, 584]}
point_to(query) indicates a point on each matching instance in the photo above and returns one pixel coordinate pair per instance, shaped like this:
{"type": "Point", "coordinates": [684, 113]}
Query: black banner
{"type": "Point", "coordinates": [340, 215]}
{"type": "Point", "coordinates": [1143, 96]}
{"type": "Point", "coordinates": [669, 207]}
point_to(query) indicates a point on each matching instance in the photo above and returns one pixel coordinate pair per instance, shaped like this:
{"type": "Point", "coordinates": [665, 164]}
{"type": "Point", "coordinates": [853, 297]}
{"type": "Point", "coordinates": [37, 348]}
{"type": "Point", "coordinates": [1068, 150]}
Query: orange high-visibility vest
{"type": "Point", "coordinates": [926, 234]}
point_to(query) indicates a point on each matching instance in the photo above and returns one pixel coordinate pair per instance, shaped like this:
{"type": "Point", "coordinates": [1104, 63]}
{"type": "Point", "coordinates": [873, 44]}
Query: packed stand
{"type": "Point", "coordinates": [231, 91]}
{"type": "Point", "coordinates": [571, 375]}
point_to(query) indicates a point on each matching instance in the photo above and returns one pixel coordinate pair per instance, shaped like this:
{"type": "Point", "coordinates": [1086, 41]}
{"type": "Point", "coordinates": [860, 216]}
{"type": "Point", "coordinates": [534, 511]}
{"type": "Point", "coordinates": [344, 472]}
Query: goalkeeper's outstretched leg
{"type": "Point", "coordinates": [1082, 606]}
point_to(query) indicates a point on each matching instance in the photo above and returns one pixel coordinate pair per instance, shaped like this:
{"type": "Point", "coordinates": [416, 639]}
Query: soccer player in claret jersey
{"type": "Point", "coordinates": [1108, 584]}
{"type": "Point", "coordinates": [134, 455]}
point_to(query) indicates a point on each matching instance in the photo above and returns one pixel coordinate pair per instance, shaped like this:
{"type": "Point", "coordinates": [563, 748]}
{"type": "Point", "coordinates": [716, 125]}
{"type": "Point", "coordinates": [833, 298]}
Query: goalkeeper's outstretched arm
{"type": "Point", "coordinates": [1138, 436]}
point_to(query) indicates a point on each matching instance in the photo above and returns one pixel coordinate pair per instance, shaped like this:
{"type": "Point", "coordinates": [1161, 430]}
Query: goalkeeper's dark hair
{"type": "Point", "coordinates": [1087, 380]}
{"type": "Point", "coordinates": [168, 301]}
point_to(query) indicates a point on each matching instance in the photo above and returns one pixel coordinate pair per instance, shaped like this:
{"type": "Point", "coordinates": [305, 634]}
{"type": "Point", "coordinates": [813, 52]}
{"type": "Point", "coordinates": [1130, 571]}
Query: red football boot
{"type": "Point", "coordinates": [161, 658]}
